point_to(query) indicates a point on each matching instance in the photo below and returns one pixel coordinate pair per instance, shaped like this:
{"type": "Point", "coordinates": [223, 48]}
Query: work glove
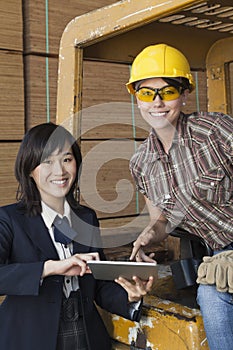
{"type": "Point", "coordinates": [218, 270]}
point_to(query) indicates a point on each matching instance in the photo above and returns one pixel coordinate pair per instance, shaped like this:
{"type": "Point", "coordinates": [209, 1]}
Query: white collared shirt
{"type": "Point", "coordinates": [48, 215]}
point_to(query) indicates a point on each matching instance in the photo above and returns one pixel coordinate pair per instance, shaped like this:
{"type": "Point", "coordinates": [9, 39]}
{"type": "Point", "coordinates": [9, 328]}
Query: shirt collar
{"type": "Point", "coordinates": [184, 136]}
{"type": "Point", "coordinates": [156, 147]}
{"type": "Point", "coordinates": [48, 214]}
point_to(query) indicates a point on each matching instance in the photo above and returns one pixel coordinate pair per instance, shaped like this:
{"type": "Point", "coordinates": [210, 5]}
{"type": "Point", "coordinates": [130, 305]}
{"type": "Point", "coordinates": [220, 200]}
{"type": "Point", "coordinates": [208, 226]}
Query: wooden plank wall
{"type": "Point", "coordinates": [111, 124]}
{"type": "Point", "coordinates": [12, 94]}
{"type": "Point", "coordinates": [27, 56]}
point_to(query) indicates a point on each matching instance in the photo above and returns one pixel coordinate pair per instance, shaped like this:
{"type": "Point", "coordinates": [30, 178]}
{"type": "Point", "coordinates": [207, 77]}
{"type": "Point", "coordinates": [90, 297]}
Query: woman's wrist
{"type": "Point", "coordinates": [48, 268]}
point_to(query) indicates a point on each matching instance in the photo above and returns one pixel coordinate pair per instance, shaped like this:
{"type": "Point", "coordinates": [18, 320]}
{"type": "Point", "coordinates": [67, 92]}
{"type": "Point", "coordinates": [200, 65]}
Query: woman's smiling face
{"type": "Point", "coordinates": [55, 175]}
{"type": "Point", "coordinates": [160, 114]}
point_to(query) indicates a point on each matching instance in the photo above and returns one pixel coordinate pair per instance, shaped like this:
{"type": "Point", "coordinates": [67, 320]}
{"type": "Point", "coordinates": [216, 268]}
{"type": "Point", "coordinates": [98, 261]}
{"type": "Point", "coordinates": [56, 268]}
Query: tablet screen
{"type": "Point", "coordinates": [109, 270]}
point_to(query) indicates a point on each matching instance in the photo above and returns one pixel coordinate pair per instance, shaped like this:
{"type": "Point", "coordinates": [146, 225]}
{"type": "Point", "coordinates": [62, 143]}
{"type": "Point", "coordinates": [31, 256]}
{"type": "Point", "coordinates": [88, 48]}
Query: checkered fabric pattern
{"type": "Point", "coordinates": [71, 334]}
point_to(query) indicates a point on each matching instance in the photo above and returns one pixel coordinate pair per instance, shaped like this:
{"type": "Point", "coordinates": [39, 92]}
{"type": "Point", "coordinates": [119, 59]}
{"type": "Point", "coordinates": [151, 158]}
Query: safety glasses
{"type": "Point", "coordinates": [166, 93]}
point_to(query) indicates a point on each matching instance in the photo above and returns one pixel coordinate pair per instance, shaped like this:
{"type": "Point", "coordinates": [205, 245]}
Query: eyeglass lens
{"type": "Point", "coordinates": [166, 93]}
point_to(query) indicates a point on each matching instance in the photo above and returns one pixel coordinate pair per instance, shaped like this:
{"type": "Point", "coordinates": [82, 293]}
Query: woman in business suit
{"type": "Point", "coordinates": [50, 292]}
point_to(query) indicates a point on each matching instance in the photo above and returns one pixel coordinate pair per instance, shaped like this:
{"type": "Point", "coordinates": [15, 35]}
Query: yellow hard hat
{"type": "Point", "coordinates": [159, 61]}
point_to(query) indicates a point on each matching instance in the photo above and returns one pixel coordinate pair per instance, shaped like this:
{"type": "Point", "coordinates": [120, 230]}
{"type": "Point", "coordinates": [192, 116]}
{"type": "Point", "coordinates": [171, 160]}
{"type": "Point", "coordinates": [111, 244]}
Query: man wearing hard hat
{"type": "Point", "coordinates": [185, 171]}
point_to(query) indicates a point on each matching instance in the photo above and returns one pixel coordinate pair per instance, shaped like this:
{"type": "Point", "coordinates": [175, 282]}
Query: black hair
{"type": "Point", "coordinates": [179, 82]}
{"type": "Point", "coordinates": [38, 144]}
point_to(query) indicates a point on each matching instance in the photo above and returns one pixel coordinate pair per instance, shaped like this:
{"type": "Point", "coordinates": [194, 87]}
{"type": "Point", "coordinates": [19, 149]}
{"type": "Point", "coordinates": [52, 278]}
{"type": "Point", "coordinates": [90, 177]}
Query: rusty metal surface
{"type": "Point", "coordinates": [164, 325]}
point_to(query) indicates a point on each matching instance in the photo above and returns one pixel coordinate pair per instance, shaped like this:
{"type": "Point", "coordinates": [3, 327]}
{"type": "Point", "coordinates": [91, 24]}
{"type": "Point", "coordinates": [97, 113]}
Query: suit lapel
{"type": "Point", "coordinates": [82, 223]}
{"type": "Point", "coordinates": [38, 233]}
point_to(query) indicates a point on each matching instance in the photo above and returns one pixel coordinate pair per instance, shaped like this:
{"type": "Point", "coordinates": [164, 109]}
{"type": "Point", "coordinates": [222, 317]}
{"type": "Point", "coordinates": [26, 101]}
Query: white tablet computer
{"type": "Point", "coordinates": [109, 270]}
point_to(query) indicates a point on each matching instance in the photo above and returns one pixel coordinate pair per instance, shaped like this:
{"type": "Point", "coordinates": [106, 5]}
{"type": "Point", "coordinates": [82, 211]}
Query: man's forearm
{"type": "Point", "coordinates": [157, 230]}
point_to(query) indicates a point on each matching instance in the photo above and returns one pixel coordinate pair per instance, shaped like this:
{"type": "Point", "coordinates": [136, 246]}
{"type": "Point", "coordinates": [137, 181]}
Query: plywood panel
{"type": "Point", "coordinates": [107, 108]}
{"type": "Point", "coordinates": [106, 183]}
{"type": "Point", "coordinates": [8, 184]}
{"type": "Point", "coordinates": [197, 100]}
{"type": "Point", "coordinates": [121, 231]}
{"type": "Point", "coordinates": [57, 15]}
{"type": "Point", "coordinates": [41, 88]}
{"type": "Point", "coordinates": [109, 111]}
{"type": "Point", "coordinates": [12, 95]}
{"type": "Point", "coordinates": [103, 82]}
{"type": "Point", "coordinates": [11, 26]}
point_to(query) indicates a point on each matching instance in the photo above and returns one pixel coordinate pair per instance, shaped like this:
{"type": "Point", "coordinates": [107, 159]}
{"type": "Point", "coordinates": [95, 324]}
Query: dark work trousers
{"type": "Point", "coordinates": [71, 334]}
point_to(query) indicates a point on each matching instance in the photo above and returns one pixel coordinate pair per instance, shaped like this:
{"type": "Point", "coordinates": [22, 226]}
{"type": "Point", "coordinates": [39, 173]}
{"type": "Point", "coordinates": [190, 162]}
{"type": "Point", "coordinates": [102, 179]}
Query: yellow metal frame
{"type": "Point", "coordinates": [164, 325]}
{"type": "Point", "coordinates": [94, 27]}
{"type": "Point", "coordinates": [219, 54]}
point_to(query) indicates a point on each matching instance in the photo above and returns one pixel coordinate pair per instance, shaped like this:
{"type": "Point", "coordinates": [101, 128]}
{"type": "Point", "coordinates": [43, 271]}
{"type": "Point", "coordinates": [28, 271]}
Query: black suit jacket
{"type": "Point", "coordinates": [29, 316]}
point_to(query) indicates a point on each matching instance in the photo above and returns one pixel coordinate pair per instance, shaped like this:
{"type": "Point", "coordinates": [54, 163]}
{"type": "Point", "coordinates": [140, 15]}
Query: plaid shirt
{"type": "Point", "coordinates": [192, 184]}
